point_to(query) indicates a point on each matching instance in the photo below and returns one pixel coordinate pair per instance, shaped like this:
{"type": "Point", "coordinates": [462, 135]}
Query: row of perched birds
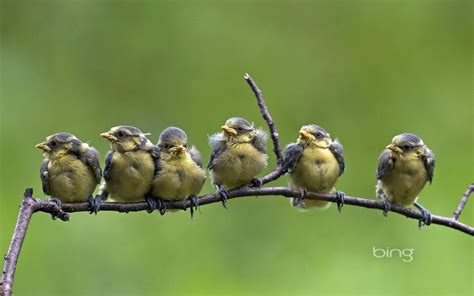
{"type": "Point", "coordinates": [136, 169]}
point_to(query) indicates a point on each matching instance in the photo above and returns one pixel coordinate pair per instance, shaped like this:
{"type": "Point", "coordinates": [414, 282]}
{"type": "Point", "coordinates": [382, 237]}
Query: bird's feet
{"type": "Point", "coordinates": [194, 204]}
{"type": "Point", "coordinates": [160, 206]}
{"type": "Point", "coordinates": [256, 182]}
{"type": "Point", "coordinates": [94, 203]}
{"type": "Point", "coordinates": [151, 203]}
{"type": "Point", "coordinates": [223, 193]}
{"type": "Point", "coordinates": [386, 204]}
{"type": "Point", "coordinates": [425, 216]}
{"type": "Point", "coordinates": [58, 203]}
{"type": "Point", "coordinates": [340, 196]}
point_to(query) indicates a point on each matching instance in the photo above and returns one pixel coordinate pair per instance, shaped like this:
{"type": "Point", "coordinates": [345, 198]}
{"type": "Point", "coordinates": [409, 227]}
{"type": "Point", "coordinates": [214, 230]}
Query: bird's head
{"type": "Point", "coordinates": [407, 145]}
{"type": "Point", "coordinates": [173, 143]}
{"type": "Point", "coordinates": [125, 138]}
{"type": "Point", "coordinates": [315, 135]}
{"type": "Point", "coordinates": [238, 130]}
{"type": "Point", "coordinates": [60, 144]}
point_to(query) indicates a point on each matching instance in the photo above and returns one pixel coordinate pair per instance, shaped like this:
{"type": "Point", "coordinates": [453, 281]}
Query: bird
{"type": "Point", "coordinates": [129, 167]}
{"type": "Point", "coordinates": [238, 155]}
{"type": "Point", "coordinates": [70, 171]}
{"type": "Point", "coordinates": [314, 163]}
{"type": "Point", "coordinates": [179, 174]}
{"type": "Point", "coordinates": [404, 167]}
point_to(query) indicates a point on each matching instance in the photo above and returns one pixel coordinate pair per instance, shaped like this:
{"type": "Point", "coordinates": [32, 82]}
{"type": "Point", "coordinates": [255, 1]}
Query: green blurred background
{"type": "Point", "coordinates": [364, 70]}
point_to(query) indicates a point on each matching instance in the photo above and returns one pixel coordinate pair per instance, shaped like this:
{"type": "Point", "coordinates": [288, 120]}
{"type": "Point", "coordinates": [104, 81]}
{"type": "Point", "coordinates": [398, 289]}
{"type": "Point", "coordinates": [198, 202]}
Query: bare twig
{"type": "Point", "coordinates": [463, 201]}
{"type": "Point", "coordinates": [31, 205]}
{"type": "Point", "coordinates": [268, 118]}
{"type": "Point", "coordinates": [274, 192]}
{"type": "Point", "coordinates": [28, 207]}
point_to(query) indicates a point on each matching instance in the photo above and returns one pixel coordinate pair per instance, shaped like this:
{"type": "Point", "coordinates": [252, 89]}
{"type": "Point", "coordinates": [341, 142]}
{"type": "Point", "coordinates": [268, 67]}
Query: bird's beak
{"type": "Point", "coordinates": [306, 136]}
{"type": "Point", "coordinates": [178, 149]}
{"type": "Point", "coordinates": [43, 147]}
{"type": "Point", "coordinates": [394, 148]}
{"type": "Point", "coordinates": [229, 131]}
{"type": "Point", "coordinates": [109, 137]}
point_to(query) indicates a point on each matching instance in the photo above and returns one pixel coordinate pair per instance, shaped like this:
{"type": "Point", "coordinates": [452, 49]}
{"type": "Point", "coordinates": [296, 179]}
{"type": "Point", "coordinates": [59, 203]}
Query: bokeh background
{"type": "Point", "coordinates": [364, 70]}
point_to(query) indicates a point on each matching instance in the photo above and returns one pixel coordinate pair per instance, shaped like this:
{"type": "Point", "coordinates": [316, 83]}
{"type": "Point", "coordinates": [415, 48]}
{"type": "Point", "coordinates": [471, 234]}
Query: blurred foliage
{"type": "Point", "coordinates": [364, 70]}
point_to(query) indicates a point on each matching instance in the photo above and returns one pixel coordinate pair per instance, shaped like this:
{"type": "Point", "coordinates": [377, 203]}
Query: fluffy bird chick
{"type": "Point", "coordinates": [70, 171]}
{"type": "Point", "coordinates": [238, 155]}
{"type": "Point", "coordinates": [129, 166]}
{"type": "Point", "coordinates": [314, 163]}
{"type": "Point", "coordinates": [404, 168]}
{"type": "Point", "coordinates": [179, 174]}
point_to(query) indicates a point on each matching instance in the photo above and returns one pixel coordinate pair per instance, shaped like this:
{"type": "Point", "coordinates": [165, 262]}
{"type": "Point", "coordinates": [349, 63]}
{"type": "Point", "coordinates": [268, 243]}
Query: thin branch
{"type": "Point", "coordinates": [31, 205]}
{"type": "Point", "coordinates": [268, 118]}
{"type": "Point", "coordinates": [463, 201]}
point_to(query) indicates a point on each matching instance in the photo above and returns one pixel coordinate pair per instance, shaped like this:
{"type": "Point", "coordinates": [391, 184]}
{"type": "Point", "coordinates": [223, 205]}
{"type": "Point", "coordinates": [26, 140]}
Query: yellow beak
{"type": "Point", "coordinates": [43, 147]}
{"type": "Point", "coordinates": [394, 148]}
{"type": "Point", "coordinates": [109, 137]}
{"type": "Point", "coordinates": [229, 131]}
{"type": "Point", "coordinates": [306, 136]}
{"type": "Point", "coordinates": [177, 149]}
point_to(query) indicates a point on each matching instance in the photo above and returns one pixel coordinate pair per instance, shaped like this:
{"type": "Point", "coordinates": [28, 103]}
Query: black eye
{"type": "Point", "coordinates": [53, 144]}
{"type": "Point", "coordinates": [240, 129]}
{"type": "Point", "coordinates": [319, 135]}
{"type": "Point", "coordinates": [185, 145]}
{"type": "Point", "coordinates": [406, 147]}
{"type": "Point", "coordinates": [166, 146]}
{"type": "Point", "coordinates": [120, 134]}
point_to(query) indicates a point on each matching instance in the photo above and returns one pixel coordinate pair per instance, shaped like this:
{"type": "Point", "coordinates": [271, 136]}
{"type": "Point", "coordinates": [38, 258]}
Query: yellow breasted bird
{"type": "Point", "coordinates": [238, 155]}
{"type": "Point", "coordinates": [129, 166]}
{"type": "Point", "coordinates": [179, 174]}
{"type": "Point", "coordinates": [404, 168]}
{"type": "Point", "coordinates": [70, 171]}
{"type": "Point", "coordinates": [314, 163]}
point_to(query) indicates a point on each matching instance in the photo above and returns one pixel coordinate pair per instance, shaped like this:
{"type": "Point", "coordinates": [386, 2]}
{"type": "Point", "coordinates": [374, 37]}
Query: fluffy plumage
{"type": "Point", "coordinates": [404, 168]}
{"type": "Point", "coordinates": [70, 171]}
{"type": "Point", "coordinates": [238, 153]}
{"type": "Point", "coordinates": [129, 165]}
{"type": "Point", "coordinates": [179, 169]}
{"type": "Point", "coordinates": [314, 163]}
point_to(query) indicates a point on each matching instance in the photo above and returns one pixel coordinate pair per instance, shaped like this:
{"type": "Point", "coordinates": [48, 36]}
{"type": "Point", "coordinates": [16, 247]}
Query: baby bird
{"type": "Point", "coordinates": [179, 173]}
{"type": "Point", "coordinates": [70, 171]}
{"type": "Point", "coordinates": [404, 168]}
{"type": "Point", "coordinates": [129, 167]}
{"type": "Point", "coordinates": [238, 155]}
{"type": "Point", "coordinates": [314, 163]}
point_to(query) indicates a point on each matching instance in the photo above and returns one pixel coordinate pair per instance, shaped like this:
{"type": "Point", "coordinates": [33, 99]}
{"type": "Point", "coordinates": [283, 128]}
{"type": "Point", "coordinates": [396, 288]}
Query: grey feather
{"type": "Point", "coordinates": [108, 165]}
{"type": "Point", "coordinates": [336, 149]}
{"type": "Point", "coordinates": [292, 153]}
{"type": "Point", "coordinates": [195, 156]}
{"type": "Point", "coordinates": [260, 140]}
{"type": "Point", "coordinates": [91, 159]}
{"type": "Point", "coordinates": [386, 163]}
{"type": "Point", "coordinates": [44, 174]}
{"type": "Point", "coordinates": [218, 146]}
{"type": "Point", "coordinates": [429, 160]}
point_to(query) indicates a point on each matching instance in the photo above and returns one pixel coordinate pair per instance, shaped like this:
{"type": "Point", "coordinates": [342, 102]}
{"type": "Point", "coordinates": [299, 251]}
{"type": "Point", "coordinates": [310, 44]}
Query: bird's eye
{"type": "Point", "coordinates": [319, 135]}
{"type": "Point", "coordinates": [121, 134]}
{"type": "Point", "coordinates": [406, 147]}
{"type": "Point", "coordinates": [53, 144]}
{"type": "Point", "coordinates": [166, 146]}
{"type": "Point", "coordinates": [240, 129]}
{"type": "Point", "coordinates": [185, 145]}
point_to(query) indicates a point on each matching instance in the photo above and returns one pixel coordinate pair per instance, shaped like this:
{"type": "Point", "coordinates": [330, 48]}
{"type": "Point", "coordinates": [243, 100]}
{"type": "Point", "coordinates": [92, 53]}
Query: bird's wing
{"type": "Point", "coordinates": [260, 140]}
{"type": "Point", "coordinates": [386, 163]}
{"type": "Point", "coordinates": [218, 146]}
{"type": "Point", "coordinates": [195, 156]}
{"type": "Point", "coordinates": [429, 160]}
{"type": "Point", "coordinates": [44, 174]}
{"type": "Point", "coordinates": [90, 157]}
{"type": "Point", "coordinates": [108, 165]}
{"type": "Point", "coordinates": [292, 153]}
{"type": "Point", "coordinates": [336, 149]}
